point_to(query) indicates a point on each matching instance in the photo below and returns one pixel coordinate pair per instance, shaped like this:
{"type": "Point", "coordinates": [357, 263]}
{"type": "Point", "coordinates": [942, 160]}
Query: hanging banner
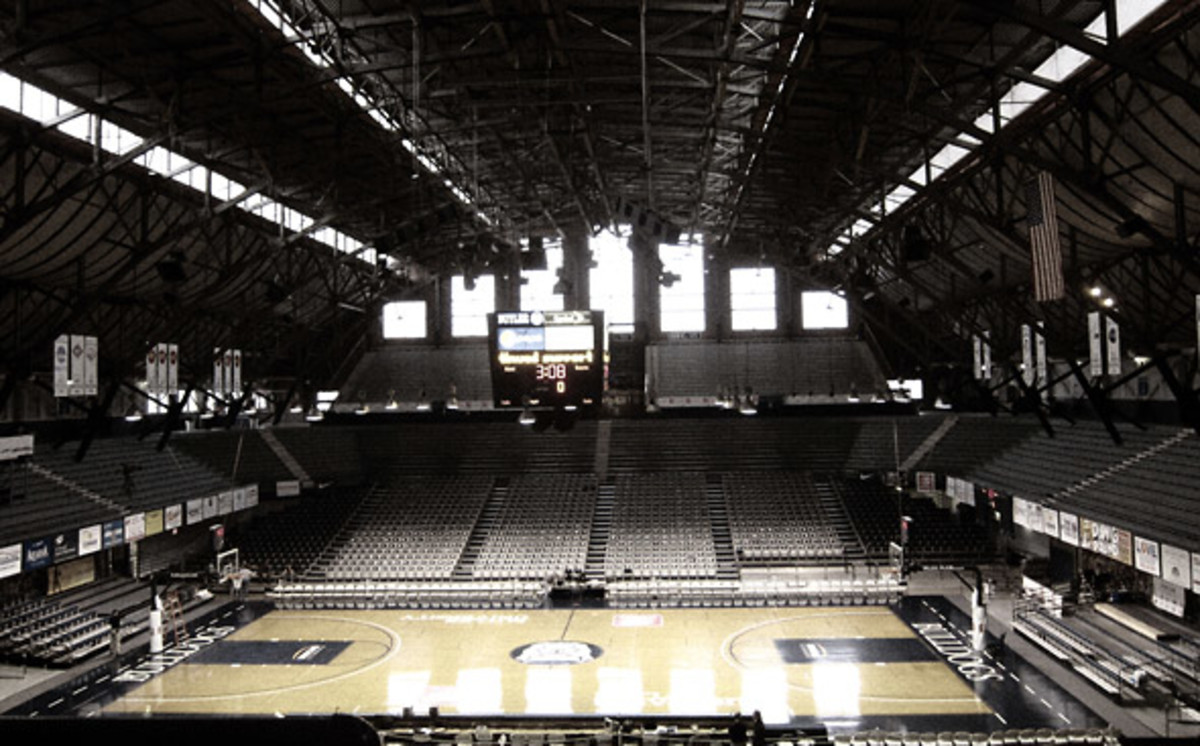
{"type": "Point", "coordinates": [1068, 528]}
{"type": "Point", "coordinates": [1124, 546]}
{"type": "Point", "coordinates": [1176, 566]}
{"type": "Point", "coordinates": [235, 381]}
{"type": "Point", "coordinates": [10, 560]}
{"type": "Point", "coordinates": [1095, 345]}
{"type": "Point", "coordinates": [172, 369]}
{"type": "Point", "coordinates": [172, 517]}
{"type": "Point", "coordinates": [1113, 343]}
{"type": "Point", "coordinates": [1168, 597]}
{"type": "Point", "coordinates": [1039, 355]}
{"type": "Point", "coordinates": [218, 381]}
{"type": "Point", "coordinates": [986, 372]}
{"type": "Point", "coordinates": [62, 366]}
{"type": "Point", "coordinates": [75, 387]}
{"type": "Point", "coordinates": [152, 371]}
{"type": "Point", "coordinates": [1027, 369]}
{"type": "Point", "coordinates": [1050, 522]}
{"type": "Point", "coordinates": [976, 355]}
{"type": "Point", "coordinates": [91, 363]}
{"type": "Point", "coordinates": [90, 539]}
{"type": "Point", "coordinates": [1145, 555]}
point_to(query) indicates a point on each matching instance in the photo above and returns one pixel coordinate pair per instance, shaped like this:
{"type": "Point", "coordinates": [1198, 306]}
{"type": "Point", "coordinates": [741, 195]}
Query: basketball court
{"type": "Point", "coordinates": [905, 667]}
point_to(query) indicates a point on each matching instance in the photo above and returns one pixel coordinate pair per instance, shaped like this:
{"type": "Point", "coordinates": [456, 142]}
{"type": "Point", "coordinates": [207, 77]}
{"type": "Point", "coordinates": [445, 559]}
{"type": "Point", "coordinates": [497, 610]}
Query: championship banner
{"type": "Point", "coordinates": [235, 379]}
{"type": "Point", "coordinates": [10, 560]}
{"type": "Point", "coordinates": [1068, 528]}
{"type": "Point", "coordinates": [172, 369]}
{"type": "Point", "coordinates": [1027, 372]}
{"type": "Point", "coordinates": [91, 361]}
{"type": "Point", "coordinates": [90, 539]}
{"type": "Point", "coordinates": [218, 381]}
{"type": "Point", "coordinates": [113, 533]}
{"type": "Point", "coordinates": [1113, 342]}
{"type": "Point", "coordinates": [1039, 355]}
{"type": "Point", "coordinates": [195, 511]}
{"type": "Point", "coordinates": [66, 546]}
{"type": "Point", "coordinates": [75, 380]}
{"type": "Point", "coordinates": [172, 517]}
{"type": "Point", "coordinates": [1145, 555]}
{"type": "Point", "coordinates": [1176, 566]}
{"type": "Point", "coordinates": [152, 371]}
{"type": "Point", "coordinates": [1050, 522]}
{"type": "Point", "coordinates": [38, 554]}
{"type": "Point", "coordinates": [62, 367]}
{"type": "Point", "coordinates": [1095, 345]}
{"type": "Point", "coordinates": [154, 522]}
{"type": "Point", "coordinates": [135, 527]}
{"type": "Point", "coordinates": [1168, 597]}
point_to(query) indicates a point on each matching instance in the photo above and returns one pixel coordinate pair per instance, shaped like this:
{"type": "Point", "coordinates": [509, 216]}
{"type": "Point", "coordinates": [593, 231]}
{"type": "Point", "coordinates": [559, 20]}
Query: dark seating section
{"type": "Point", "coordinates": [935, 536]}
{"type": "Point", "coordinates": [39, 505]}
{"type": "Point", "coordinates": [660, 528]}
{"type": "Point", "coordinates": [239, 455]}
{"type": "Point", "coordinates": [975, 440]}
{"type": "Point", "coordinates": [286, 537]}
{"type": "Point", "coordinates": [326, 454]}
{"type": "Point", "coordinates": [778, 518]}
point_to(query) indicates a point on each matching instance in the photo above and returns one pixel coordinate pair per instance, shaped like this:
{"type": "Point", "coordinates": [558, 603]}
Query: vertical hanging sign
{"type": "Point", "coordinates": [218, 382]}
{"type": "Point", "coordinates": [75, 379]}
{"type": "Point", "coordinates": [62, 365]}
{"type": "Point", "coordinates": [1095, 343]}
{"type": "Point", "coordinates": [1039, 353]}
{"type": "Point", "coordinates": [1112, 339]}
{"type": "Point", "coordinates": [91, 361]}
{"type": "Point", "coordinates": [235, 381]}
{"type": "Point", "coordinates": [1027, 371]}
{"type": "Point", "coordinates": [172, 369]}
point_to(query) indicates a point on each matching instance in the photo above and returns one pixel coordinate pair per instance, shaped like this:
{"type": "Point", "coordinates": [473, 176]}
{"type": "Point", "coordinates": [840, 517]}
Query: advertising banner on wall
{"type": "Point", "coordinates": [1068, 528]}
{"type": "Point", "coordinates": [926, 482]}
{"type": "Point", "coordinates": [225, 503]}
{"type": "Point", "coordinates": [172, 517]}
{"type": "Point", "coordinates": [66, 546]}
{"type": "Point", "coordinates": [10, 560]}
{"type": "Point", "coordinates": [195, 511]}
{"type": "Point", "coordinates": [1124, 546]}
{"type": "Point", "coordinates": [135, 527]}
{"type": "Point", "coordinates": [1050, 522]}
{"type": "Point", "coordinates": [208, 506]}
{"type": "Point", "coordinates": [1021, 512]}
{"type": "Point", "coordinates": [91, 539]}
{"type": "Point", "coordinates": [1145, 555]}
{"type": "Point", "coordinates": [154, 522]}
{"type": "Point", "coordinates": [251, 496]}
{"type": "Point", "coordinates": [1168, 597]}
{"type": "Point", "coordinates": [114, 533]}
{"type": "Point", "coordinates": [1176, 566]}
{"type": "Point", "coordinates": [38, 554]}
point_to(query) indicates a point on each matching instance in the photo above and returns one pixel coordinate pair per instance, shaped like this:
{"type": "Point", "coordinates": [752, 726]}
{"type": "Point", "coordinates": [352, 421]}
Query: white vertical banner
{"type": "Point", "coordinates": [91, 363]}
{"type": "Point", "coordinates": [235, 381]}
{"type": "Point", "coordinates": [1039, 355]}
{"type": "Point", "coordinates": [62, 365]}
{"type": "Point", "coordinates": [986, 373]}
{"type": "Point", "coordinates": [1113, 340]}
{"type": "Point", "coordinates": [1198, 321]}
{"type": "Point", "coordinates": [1027, 371]}
{"type": "Point", "coordinates": [218, 381]}
{"type": "Point", "coordinates": [161, 349]}
{"type": "Point", "coordinates": [172, 369]}
{"type": "Point", "coordinates": [152, 370]}
{"type": "Point", "coordinates": [976, 355]}
{"type": "Point", "coordinates": [1095, 345]}
{"type": "Point", "coordinates": [75, 378]}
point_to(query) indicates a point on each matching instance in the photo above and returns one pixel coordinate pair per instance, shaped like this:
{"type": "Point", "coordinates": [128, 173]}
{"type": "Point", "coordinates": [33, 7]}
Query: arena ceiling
{"type": "Point", "coordinates": [396, 141]}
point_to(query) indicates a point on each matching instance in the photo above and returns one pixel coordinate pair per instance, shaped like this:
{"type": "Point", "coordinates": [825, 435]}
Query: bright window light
{"type": "Point", "coordinates": [469, 307]}
{"type": "Point", "coordinates": [537, 290]}
{"type": "Point", "coordinates": [681, 294]}
{"type": "Point", "coordinates": [404, 319]}
{"type": "Point", "coordinates": [611, 280]}
{"type": "Point", "coordinates": [821, 309]}
{"type": "Point", "coordinates": [752, 299]}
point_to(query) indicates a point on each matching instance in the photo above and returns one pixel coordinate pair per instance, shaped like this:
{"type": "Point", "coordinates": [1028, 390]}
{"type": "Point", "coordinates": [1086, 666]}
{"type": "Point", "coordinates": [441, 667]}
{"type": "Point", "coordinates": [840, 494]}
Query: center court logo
{"type": "Point", "coordinates": [556, 653]}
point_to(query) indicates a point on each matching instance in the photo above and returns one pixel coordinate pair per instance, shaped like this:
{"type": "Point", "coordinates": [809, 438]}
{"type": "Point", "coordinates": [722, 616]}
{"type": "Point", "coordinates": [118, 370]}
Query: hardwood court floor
{"type": "Point", "coordinates": [787, 663]}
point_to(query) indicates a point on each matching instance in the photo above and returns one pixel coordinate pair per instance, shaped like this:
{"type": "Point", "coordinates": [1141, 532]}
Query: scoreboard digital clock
{"type": "Point", "coordinates": [546, 358]}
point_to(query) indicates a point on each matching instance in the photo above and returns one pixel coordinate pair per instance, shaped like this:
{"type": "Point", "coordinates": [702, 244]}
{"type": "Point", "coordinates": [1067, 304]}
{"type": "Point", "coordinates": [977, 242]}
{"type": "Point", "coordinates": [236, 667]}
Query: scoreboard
{"type": "Point", "coordinates": [546, 358]}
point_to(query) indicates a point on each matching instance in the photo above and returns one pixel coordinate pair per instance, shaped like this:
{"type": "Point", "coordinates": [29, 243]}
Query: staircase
{"type": "Point", "coordinates": [1129, 462]}
{"type": "Point", "coordinates": [602, 517]}
{"type": "Point", "coordinates": [285, 457]}
{"type": "Point", "coordinates": [834, 509]}
{"type": "Point", "coordinates": [488, 518]}
{"type": "Point", "coordinates": [718, 517]}
{"type": "Point", "coordinates": [929, 443]}
{"type": "Point", "coordinates": [71, 486]}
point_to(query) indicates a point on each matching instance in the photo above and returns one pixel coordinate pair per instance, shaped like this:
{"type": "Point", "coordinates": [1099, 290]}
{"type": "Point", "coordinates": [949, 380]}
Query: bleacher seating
{"type": "Point", "coordinates": [415, 528]}
{"type": "Point", "coordinates": [542, 528]}
{"type": "Point", "coordinates": [660, 528]}
{"type": "Point", "coordinates": [775, 517]}
{"type": "Point", "coordinates": [288, 541]}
